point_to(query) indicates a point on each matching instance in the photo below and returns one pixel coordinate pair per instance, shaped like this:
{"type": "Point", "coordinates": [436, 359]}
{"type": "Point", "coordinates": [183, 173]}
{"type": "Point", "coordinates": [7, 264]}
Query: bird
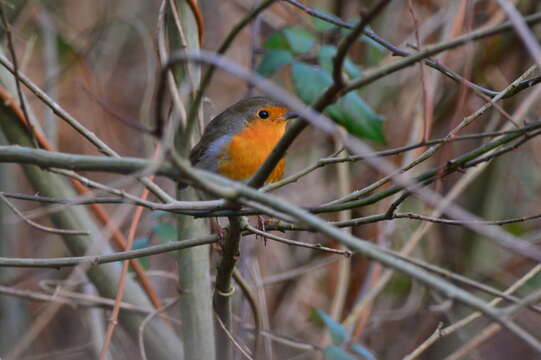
{"type": "Point", "coordinates": [236, 142]}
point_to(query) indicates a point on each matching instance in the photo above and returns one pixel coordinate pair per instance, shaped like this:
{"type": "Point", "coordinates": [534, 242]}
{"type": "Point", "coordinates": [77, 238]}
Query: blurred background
{"type": "Point", "coordinates": [98, 60]}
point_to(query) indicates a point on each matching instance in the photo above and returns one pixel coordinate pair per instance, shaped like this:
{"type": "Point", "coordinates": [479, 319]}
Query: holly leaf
{"type": "Point", "coordinates": [273, 61]}
{"type": "Point", "coordinates": [337, 353]}
{"type": "Point", "coordinates": [359, 119]}
{"type": "Point", "coordinates": [349, 111]}
{"type": "Point", "coordinates": [299, 40]}
{"type": "Point", "coordinates": [337, 331]}
{"type": "Point", "coordinates": [309, 81]}
{"type": "Point", "coordinates": [362, 351]}
{"type": "Point", "coordinates": [276, 41]}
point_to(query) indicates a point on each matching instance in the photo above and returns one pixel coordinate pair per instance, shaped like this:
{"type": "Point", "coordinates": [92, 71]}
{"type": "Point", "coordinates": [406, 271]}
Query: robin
{"type": "Point", "coordinates": [236, 142]}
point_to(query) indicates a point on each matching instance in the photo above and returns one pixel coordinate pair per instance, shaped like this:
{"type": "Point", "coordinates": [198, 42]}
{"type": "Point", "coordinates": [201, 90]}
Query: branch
{"type": "Point", "coordinates": [38, 226]}
{"type": "Point", "coordinates": [280, 239]}
{"type": "Point", "coordinates": [44, 158]}
{"type": "Point", "coordinates": [104, 259]}
{"type": "Point", "coordinates": [224, 289]}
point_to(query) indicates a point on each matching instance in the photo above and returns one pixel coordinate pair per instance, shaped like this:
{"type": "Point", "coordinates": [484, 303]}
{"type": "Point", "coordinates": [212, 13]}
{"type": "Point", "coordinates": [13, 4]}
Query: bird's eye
{"type": "Point", "coordinates": [263, 114]}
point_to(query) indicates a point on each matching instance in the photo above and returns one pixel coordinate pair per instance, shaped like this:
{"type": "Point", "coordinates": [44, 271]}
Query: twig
{"type": "Point", "coordinates": [460, 222]}
{"type": "Point", "coordinates": [427, 103]}
{"type": "Point", "coordinates": [140, 338]}
{"type": "Point", "coordinates": [68, 298]}
{"type": "Point", "coordinates": [348, 41]}
{"type": "Point", "coordinates": [230, 336]}
{"type": "Point", "coordinates": [319, 247]}
{"type": "Point", "coordinates": [113, 319]}
{"type": "Point", "coordinates": [38, 226]}
{"type": "Point", "coordinates": [256, 312]}
{"type": "Point", "coordinates": [301, 270]}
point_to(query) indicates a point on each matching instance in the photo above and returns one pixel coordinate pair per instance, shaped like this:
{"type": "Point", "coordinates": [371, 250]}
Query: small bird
{"type": "Point", "coordinates": [236, 142]}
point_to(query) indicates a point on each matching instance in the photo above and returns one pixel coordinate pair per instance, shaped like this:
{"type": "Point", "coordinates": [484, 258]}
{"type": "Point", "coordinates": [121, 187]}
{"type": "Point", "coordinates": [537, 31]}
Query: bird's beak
{"type": "Point", "coordinates": [290, 115]}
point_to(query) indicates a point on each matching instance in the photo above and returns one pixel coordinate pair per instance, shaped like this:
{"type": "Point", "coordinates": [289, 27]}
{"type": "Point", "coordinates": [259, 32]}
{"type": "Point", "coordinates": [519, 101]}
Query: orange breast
{"type": "Point", "coordinates": [249, 149]}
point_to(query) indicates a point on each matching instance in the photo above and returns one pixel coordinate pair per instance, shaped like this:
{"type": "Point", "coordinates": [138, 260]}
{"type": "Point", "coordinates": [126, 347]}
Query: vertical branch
{"type": "Point", "coordinates": [193, 264]}
{"type": "Point", "coordinates": [14, 316]}
{"type": "Point", "coordinates": [344, 264]}
{"type": "Point", "coordinates": [51, 70]}
{"type": "Point", "coordinates": [224, 288]}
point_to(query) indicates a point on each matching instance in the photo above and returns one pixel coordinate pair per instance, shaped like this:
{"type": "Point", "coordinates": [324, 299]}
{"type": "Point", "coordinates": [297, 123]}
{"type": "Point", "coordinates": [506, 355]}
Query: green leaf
{"type": "Point", "coordinates": [299, 40]}
{"type": "Point", "coordinates": [350, 111]}
{"type": "Point", "coordinates": [337, 331]}
{"type": "Point", "coordinates": [336, 353]}
{"type": "Point", "coordinates": [276, 41]}
{"type": "Point", "coordinates": [309, 81]}
{"type": "Point", "coordinates": [165, 232]}
{"type": "Point", "coordinates": [273, 61]}
{"type": "Point", "coordinates": [326, 54]}
{"type": "Point", "coordinates": [362, 351]}
{"type": "Point", "coordinates": [359, 119]}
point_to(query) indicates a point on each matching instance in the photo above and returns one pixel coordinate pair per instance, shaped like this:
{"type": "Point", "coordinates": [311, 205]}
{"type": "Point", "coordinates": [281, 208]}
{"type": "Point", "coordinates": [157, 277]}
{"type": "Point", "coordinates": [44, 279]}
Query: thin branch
{"type": "Point", "coordinates": [463, 222]}
{"type": "Point", "coordinates": [230, 337]}
{"type": "Point", "coordinates": [113, 319]}
{"type": "Point", "coordinates": [347, 42]}
{"type": "Point", "coordinates": [67, 299]}
{"type": "Point", "coordinates": [142, 326]}
{"type": "Point", "coordinates": [256, 311]}
{"type": "Point", "coordinates": [38, 226]}
{"type": "Point", "coordinates": [103, 259]}
{"type": "Point", "coordinates": [318, 247]}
